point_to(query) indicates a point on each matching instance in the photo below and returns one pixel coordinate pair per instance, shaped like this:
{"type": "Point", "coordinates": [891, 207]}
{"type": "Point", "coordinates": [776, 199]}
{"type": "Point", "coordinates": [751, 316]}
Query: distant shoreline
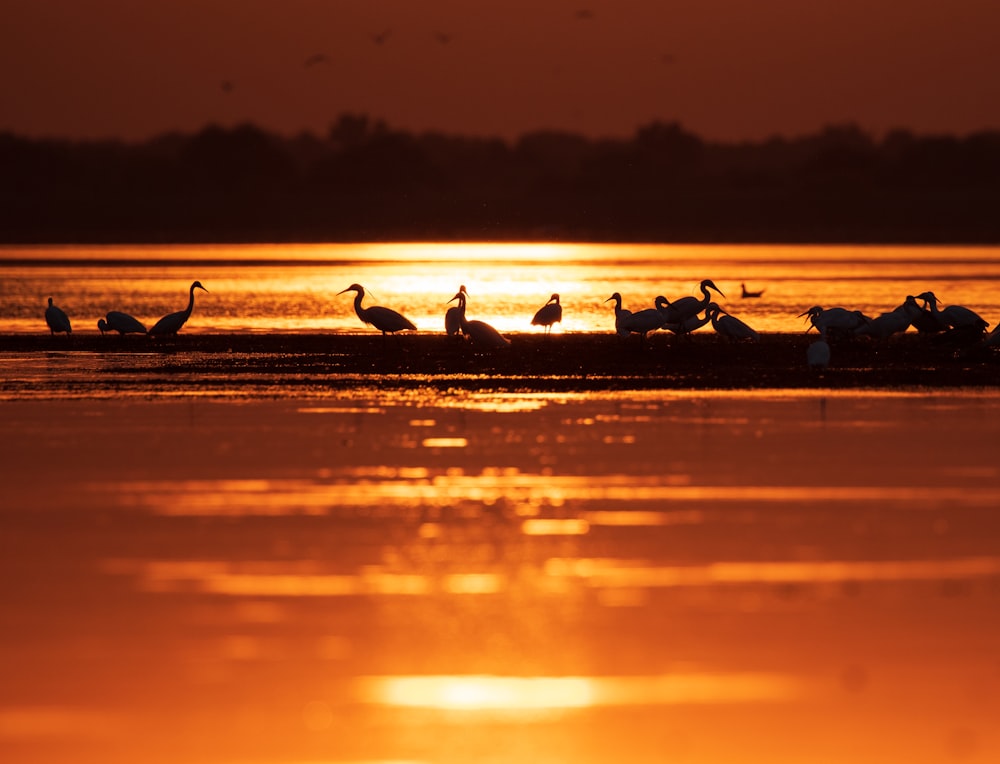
{"type": "Point", "coordinates": [533, 362]}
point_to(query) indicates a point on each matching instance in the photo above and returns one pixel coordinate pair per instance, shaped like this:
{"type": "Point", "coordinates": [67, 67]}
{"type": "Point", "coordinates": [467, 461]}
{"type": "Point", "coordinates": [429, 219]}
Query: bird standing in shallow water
{"type": "Point", "coordinates": [385, 320]}
{"type": "Point", "coordinates": [550, 313]}
{"type": "Point", "coordinates": [172, 323]}
{"type": "Point", "coordinates": [818, 354]}
{"type": "Point", "coordinates": [621, 315]}
{"type": "Point", "coordinates": [123, 323]}
{"type": "Point", "coordinates": [686, 307]}
{"type": "Point", "coordinates": [480, 333]}
{"type": "Point", "coordinates": [56, 319]}
{"type": "Point", "coordinates": [453, 317]}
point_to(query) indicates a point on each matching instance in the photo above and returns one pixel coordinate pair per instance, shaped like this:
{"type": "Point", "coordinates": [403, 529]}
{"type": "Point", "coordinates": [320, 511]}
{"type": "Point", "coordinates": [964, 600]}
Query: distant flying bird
{"type": "Point", "coordinates": [818, 354]}
{"type": "Point", "coordinates": [123, 323]}
{"type": "Point", "coordinates": [747, 294]}
{"type": "Point", "coordinates": [686, 307]}
{"type": "Point", "coordinates": [56, 319]}
{"type": "Point", "coordinates": [550, 313]}
{"type": "Point", "coordinates": [453, 316]}
{"type": "Point", "coordinates": [172, 323]}
{"type": "Point", "coordinates": [621, 315]}
{"type": "Point", "coordinates": [729, 326]}
{"type": "Point", "coordinates": [480, 333]}
{"type": "Point", "coordinates": [227, 86]}
{"type": "Point", "coordinates": [379, 38]}
{"type": "Point", "coordinates": [385, 320]}
{"type": "Point", "coordinates": [443, 37]}
{"type": "Point", "coordinates": [584, 14]}
{"type": "Point", "coordinates": [316, 59]}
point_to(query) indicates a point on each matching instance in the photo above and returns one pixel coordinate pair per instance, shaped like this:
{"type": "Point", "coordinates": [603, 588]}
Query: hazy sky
{"type": "Point", "coordinates": [725, 69]}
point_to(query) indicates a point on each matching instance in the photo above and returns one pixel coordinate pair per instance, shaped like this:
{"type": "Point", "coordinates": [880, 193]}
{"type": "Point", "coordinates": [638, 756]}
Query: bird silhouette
{"type": "Point", "coordinates": [747, 294]}
{"type": "Point", "coordinates": [892, 322]}
{"type": "Point", "coordinates": [954, 316]}
{"type": "Point", "coordinates": [481, 334]}
{"type": "Point", "coordinates": [835, 320]}
{"type": "Point", "coordinates": [57, 319]}
{"type": "Point", "coordinates": [621, 315]}
{"type": "Point", "coordinates": [686, 307]}
{"type": "Point", "coordinates": [379, 38]}
{"type": "Point", "coordinates": [172, 323]}
{"type": "Point", "coordinates": [385, 320]}
{"type": "Point", "coordinates": [123, 323]}
{"type": "Point", "coordinates": [550, 313]}
{"type": "Point", "coordinates": [315, 60]}
{"type": "Point", "coordinates": [729, 326]}
{"type": "Point", "coordinates": [453, 316]}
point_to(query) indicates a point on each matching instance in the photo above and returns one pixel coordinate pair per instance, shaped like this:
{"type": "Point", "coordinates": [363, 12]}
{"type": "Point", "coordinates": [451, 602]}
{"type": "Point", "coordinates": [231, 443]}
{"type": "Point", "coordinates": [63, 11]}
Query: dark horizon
{"type": "Point", "coordinates": [367, 181]}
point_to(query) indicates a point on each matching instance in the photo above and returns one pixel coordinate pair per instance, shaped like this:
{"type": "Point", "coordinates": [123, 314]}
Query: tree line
{"type": "Point", "coordinates": [365, 181]}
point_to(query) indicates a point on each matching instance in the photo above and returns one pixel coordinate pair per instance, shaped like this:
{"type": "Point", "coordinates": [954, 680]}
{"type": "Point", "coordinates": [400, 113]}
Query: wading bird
{"type": "Point", "coordinates": [687, 307]}
{"type": "Point", "coordinates": [56, 319]}
{"type": "Point", "coordinates": [480, 333]}
{"type": "Point", "coordinates": [621, 314]}
{"type": "Point", "coordinates": [385, 320]}
{"type": "Point", "coordinates": [895, 321]}
{"type": "Point", "coordinates": [818, 354]}
{"type": "Point", "coordinates": [123, 323]}
{"type": "Point", "coordinates": [747, 294]}
{"type": "Point", "coordinates": [453, 317]}
{"type": "Point", "coordinates": [954, 316]}
{"type": "Point", "coordinates": [729, 326]}
{"type": "Point", "coordinates": [839, 320]}
{"type": "Point", "coordinates": [172, 323]}
{"type": "Point", "coordinates": [550, 313]}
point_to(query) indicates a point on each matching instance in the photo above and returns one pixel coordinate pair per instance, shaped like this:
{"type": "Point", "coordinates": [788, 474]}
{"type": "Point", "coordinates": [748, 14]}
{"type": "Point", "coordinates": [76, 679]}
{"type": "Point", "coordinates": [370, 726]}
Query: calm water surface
{"type": "Point", "coordinates": [261, 288]}
{"type": "Point", "coordinates": [472, 577]}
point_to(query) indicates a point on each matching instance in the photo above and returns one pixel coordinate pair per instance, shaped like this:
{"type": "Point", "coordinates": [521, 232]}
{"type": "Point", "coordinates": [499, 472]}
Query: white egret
{"type": "Point", "coordinates": [172, 323]}
{"type": "Point", "coordinates": [123, 323]}
{"type": "Point", "coordinates": [686, 307]}
{"type": "Point", "coordinates": [56, 319]}
{"type": "Point", "coordinates": [729, 326]}
{"type": "Point", "coordinates": [550, 313]}
{"type": "Point", "coordinates": [480, 333]}
{"type": "Point", "coordinates": [453, 317]}
{"type": "Point", "coordinates": [818, 354]}
{"type": "Point", "coordinates": [644, 321]}
{"type": "Point", "coordinates": [954, 316]}
{"type": "Point", "coordinates": [621, 314]}
{"type": "Point", "coordinates": [385, 320]}
{"type": "Point", "coordinates": [841, 320]}
{"type": "Point", "coordinates": [893, 322]}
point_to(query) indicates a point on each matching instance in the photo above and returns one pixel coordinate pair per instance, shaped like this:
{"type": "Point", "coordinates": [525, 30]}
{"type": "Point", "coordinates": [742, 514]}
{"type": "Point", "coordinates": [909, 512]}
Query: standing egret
{"type": "Point", "coordinates": [894, 322]}
{"type": "Point", "coordinates": [621, 314]}
{"type": "Point", "coordinates": [550, 313]}
{"type": "Point", "coordinates": [57, 320]}
{"type": "Point", "coordinates": [818, 354]}
{"type": "Point", "coordinates": [840, 320]}
{"type": "Point", "coordinates": [729, 326]}
{"type": "Point", "coordinates": [479, 332]}
{"type": "Point", "coordinates": [644, 321]}
{"type": "Point", "coordinates": [385, 320]}
{"type": "Point", "coordinates": [686, 307]}
{"type": "Point", "coordinates": [954, 316]}
{"type": "Point", "coordinates": [123, 323]}
{"type": "Point", "coordinates": [172, 323]}
{"type": "Point", "coordinates": [453, 317]}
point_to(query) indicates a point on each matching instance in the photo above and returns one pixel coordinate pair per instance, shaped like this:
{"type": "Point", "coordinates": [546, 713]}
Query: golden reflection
{"type": "Point", "coordinates": [555, 527]}
{"type": "Point", "coordinates": [444, 442]}
{"type": "Point", "coordinates": [528, 694]}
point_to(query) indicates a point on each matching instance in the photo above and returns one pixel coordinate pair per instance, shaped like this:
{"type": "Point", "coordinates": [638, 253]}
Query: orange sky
{"type": "Point", "coordinates": [726, 69]}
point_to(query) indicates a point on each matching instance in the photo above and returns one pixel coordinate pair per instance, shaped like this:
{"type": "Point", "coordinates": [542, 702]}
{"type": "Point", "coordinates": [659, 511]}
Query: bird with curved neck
{"type": "Point", "coordinates": [172, 323]}
{"type": "Point", "coordinates": [123, 323]}
{"type": "Point", "coordinates": [622, 315]}
{"type": "Point", "coordinates": [56, 319]}
{"type": "Point", "coordinates": [453, 316]}
{"type": "Point", "coordinates": [480, 333]}
{"type": "Point", "coordinates": [550, 313]}
{"type": "Point", "coordinates": [384, 319]}
{"type": "Point", "coordinates": [686, 307]}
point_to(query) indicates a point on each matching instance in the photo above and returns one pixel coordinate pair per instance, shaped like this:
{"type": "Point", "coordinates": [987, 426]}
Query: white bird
{"type": "Point", "coordinates": [686, 307]}
{"type": "Point", "coordinates": [480, 333]}
{"type": "Point", "coordinates": [818, 354]}
{"type": "Point", "coordinates": [643, 321]}
{"type": "Point", "coordinates": [840, 320]}
{"type": "Point", "coordinates": [56, 319]}
{"type": "Point", "coordinates": [385, 320]}
{"type": "Point", "coordinates": [621, 314]}
{"type": "Point", "coordinates": [729, 326]}
{"type": "Point", "coordinates": [123, 323]}
{"type": "Point", "coordinates": [172, 323]}
{"type": "Point", "coordinates": [893, 322]}
{"type": "Point", "coordinates": [954, 316]}
{"type": "Point", "coordinates": [453, 317]}
{"type": "Point", "coordinates": [550, 313]}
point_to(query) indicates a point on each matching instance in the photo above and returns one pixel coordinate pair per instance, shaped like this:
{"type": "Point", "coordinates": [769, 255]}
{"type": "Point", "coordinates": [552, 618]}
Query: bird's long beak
{"type": "Point", "coordinates": [343, 290]}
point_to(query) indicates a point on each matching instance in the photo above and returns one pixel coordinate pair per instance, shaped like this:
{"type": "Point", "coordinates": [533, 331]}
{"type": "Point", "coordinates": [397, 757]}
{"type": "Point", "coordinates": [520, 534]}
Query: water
{"type": "Point", "coordinates": [293, 288]}
{"type": "Point", "coordinates": [222, 576]}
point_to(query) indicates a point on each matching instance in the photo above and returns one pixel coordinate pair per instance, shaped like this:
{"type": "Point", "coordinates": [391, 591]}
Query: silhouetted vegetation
{"type": "Point", "coordinates": [366, 181]}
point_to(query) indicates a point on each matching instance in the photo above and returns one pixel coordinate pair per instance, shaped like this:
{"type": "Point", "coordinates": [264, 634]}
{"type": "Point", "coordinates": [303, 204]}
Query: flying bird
{"type": "Point", "coordinates": [379, 38]}
{"type": "Point", "coordinates": [316, 59]}
{"type": "Point", "coordinates": [479, 332]}
{"type": "Point", "coordinates": [385, 320]}
{"type": "Point", "coordinates": [57, 319]}
{"type": "Point", "coordinates": [550, 313]}
{"type": "Point", "coordinates": [172, 323]}
{"type": "Point", "coordinates": [123, 323]}
{"type": "Point", "coordinates": [443, 37]}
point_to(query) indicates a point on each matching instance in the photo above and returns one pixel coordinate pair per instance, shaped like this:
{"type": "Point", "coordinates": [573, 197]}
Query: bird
{"type": "Point", "coordinates": [123, 323]}
{"type": "Point", "coordinates": [480, 333]}
{"type": "Point", "coordinates": [379, 38]}
{"type": "Point", "coordinates": [550, 313]}
{"type": "Point", "coordinates": [954, 316]}
{"type": "Point", "coordinates": [172, 323]}
{"type": "Point", "coordinates": [893, 322]}
{"type": "Point", "coordinates": [316, 59]}
{"type": "Point", "coordinates": [453, 317]}
{"type": "Point", "coordinates": [818, 354]}
{"type": "Point", "coordinates": [840, 320]}
{"type": "Point", "coordinates": [57, 319]}
{"type": "Point", "coordinates": [729, 326]}
{"type": "Point", "coordinates": [642, 322]}
{"type": "Point", "coordinates": [686, 307]}
{"type": "Point", "coordinates": [443, 37]}
{"type": "Point", "coordinates": [385, 320]}
{"type": "Point", "coordinates": [747, 294]}
{"type": "Point", "coordinates": [621, 314]}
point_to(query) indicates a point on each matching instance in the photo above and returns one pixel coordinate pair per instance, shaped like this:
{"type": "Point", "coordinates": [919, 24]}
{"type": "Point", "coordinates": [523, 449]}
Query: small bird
{"type": "Point", "coordinates": [480, 333]}
{"type": "Point", "coordinates": [172, 323]}
{"type": "Point", "coordinates": [385, 320]}
{"type": "Point", "coordinates": [550, 313]}
{"type": "Point", "coordinates": [315, 60]}
{"type": "Point", "coordinates": [56, 319]}
{"type": "Point", "coordinates": [621, 315]}
{"type": "Point", "coordinates": [379, 38]}
{"type": "Point", "coordinates": [818, 354]}
{"type": "Point", "coordinates": [453, 316]}
{"type": "Point", "coordinates": [123, 323]}
{"type": "Point", "coordinates": [747, 294]}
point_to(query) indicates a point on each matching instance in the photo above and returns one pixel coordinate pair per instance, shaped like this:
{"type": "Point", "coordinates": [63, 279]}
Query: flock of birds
{"type": "Point", "coordinates": [681, 316]}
